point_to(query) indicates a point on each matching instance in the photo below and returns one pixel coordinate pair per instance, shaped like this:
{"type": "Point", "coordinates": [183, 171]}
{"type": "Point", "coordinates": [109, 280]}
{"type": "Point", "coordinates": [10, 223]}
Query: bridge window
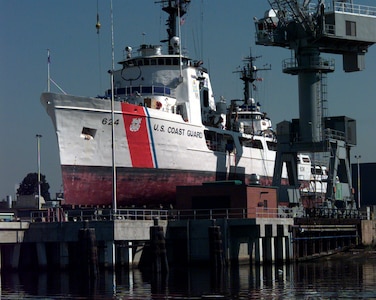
{"type": "Point", "coordinates": [146, 90]}
{"type": "Point", "coordinates": [272, 145]}
{"type": "Point", "coordinates": [251, 143]}
{"type": "Point", "coordinates": [257, 144]}
{"type": "Point", "coordinates": [219, 142]}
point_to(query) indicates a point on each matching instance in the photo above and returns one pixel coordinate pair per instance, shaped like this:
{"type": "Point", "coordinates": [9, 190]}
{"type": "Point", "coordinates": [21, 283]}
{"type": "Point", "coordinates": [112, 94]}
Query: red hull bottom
{"type": "Point", "coordinates": [92, 186]}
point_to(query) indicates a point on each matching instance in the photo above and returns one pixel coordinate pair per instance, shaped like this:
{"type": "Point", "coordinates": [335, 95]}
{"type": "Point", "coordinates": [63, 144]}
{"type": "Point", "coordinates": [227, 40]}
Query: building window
{"type": "Point", "coordinates": [350, 28]}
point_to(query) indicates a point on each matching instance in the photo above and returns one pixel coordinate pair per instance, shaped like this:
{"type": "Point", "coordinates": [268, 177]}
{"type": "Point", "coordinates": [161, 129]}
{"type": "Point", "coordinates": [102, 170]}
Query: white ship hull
{"type": "Point", "coordinates": [154, 152]}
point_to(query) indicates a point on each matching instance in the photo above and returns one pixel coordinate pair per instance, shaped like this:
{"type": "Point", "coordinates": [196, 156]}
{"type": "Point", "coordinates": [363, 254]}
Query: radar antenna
{"type": "Point", "coordinates": [248, 74]}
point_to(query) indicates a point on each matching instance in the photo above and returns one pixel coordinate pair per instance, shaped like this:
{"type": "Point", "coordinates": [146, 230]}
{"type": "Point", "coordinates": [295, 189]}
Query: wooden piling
{"type": "Point", "coordinates": [88, 252]}
{"type": "Point", "coordinates": [215, 248]}
{"type": "Point", "coordinates": [158, 249]}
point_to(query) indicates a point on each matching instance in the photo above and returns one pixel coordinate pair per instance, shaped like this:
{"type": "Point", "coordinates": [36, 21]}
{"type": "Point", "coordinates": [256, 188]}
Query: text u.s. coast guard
{"type": "Point", "coordinates": [177, 131]}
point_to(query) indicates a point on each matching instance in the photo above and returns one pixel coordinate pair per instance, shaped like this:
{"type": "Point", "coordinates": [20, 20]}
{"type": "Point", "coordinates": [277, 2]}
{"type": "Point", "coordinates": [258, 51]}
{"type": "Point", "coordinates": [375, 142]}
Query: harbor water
{"type": "Point", "coordinates": [349, 275]}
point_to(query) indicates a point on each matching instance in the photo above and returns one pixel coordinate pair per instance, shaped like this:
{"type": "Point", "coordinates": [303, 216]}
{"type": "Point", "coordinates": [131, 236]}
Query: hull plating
{"type": "Point", "coordinates": [135, 186]}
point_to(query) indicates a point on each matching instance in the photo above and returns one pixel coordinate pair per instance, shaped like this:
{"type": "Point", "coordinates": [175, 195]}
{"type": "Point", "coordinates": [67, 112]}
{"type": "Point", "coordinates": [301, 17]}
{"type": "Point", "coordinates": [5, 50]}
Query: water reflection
{"type": "Point", "coordinates": [332, 278]}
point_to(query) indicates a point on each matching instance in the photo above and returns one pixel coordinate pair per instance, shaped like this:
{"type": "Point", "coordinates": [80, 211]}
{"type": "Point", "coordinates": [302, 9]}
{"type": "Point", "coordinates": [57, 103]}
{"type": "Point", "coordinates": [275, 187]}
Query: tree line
{"type": "Point", "coordinates": [29, 186]}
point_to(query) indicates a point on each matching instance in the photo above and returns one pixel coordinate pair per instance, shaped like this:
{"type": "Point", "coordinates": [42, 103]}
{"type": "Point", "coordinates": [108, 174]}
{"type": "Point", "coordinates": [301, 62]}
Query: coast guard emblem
{"type": "Point", "coordinates": [135, 125]}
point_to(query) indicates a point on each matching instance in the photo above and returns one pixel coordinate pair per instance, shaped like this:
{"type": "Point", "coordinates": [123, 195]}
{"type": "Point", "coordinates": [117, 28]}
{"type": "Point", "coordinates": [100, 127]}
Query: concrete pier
{"type": "Point", "coordinates": [244, 240]}
{"type": "Point", "coordinates": [55, 244]}
{"type": "Point", "coordinates": [125, 240]}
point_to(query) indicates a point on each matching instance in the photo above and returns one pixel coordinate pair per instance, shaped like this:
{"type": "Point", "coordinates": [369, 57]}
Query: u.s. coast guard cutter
{"type": "Point", "coordinates": [168, 129]}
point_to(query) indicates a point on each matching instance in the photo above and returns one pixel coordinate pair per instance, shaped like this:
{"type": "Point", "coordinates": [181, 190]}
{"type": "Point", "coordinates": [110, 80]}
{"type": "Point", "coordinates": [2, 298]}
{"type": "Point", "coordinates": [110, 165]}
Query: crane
{"type": "Point", "coordinates": [309, 28]}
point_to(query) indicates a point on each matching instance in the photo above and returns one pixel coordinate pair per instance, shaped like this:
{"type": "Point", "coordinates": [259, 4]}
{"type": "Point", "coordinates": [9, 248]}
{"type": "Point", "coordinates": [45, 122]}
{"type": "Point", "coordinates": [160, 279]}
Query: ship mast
{"type": "Point", "coordinates": [249, 75]}
{"type": "Point", "coordinates": [175, 9]}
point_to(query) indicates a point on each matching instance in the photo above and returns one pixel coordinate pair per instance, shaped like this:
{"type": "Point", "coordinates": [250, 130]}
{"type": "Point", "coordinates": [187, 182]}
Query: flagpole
{"type": "Point", "coordinates": [180, 41]}
{"type": "Point", "coordinates": [38, 136]}
{"type": "Point", "coordinates": [48, 71]}
{"type": "Point", "coordinates": [114, 200]}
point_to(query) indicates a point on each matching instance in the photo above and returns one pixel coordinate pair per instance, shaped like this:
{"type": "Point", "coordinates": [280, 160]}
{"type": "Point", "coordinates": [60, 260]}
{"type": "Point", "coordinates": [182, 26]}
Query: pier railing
{"type": "Point", "coordinates": [79, 215]}
{"type": "Point", "coordinates": [333, 213]}
{"type": "Point", "coordinates": [230, 213]}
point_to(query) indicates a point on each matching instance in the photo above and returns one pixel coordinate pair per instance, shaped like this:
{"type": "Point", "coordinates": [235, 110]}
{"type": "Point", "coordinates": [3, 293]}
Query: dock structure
{"type": "Point", "coordinates": [11, 236]}
{"type": "Point", "coordinates": [263, 240]}
{"type": "Point", "coordinates": [187, 237]}
{"type": "Point", "coordinates": [47, 240]}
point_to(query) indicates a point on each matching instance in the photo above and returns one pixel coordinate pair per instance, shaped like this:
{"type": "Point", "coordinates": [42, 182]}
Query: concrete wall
{"type": "Point", "coordinates": [12, 232]}
{"type": "Point", "coordinates": [117, 230]}
{"type": "Point", "coordinates": [57, 243]}
{"type": "Point", "coordinates": [369, 232]}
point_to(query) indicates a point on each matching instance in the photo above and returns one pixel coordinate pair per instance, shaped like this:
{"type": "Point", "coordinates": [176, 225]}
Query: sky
{"type": "Point", "coordinates": [221, 33]}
